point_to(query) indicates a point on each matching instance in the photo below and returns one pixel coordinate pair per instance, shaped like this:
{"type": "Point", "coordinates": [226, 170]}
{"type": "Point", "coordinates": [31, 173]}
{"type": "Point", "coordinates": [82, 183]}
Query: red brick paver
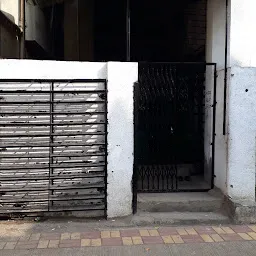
{"type": "Point", "coordinates": [90, 235]}
{"type": "Point", "coordinates": [152, 240]}
{"type": "Point", "coordinates": [112, 241]}
{"type": "Point", "coordinates": [167, 231]}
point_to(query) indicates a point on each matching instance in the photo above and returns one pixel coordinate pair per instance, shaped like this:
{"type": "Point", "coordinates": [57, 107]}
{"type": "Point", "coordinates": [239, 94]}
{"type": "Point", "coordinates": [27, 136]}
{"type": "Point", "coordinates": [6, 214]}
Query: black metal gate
{"type": "Point", "coordinates": [53, 146]}
{"type": "Point", "coordinates": [169, 127]}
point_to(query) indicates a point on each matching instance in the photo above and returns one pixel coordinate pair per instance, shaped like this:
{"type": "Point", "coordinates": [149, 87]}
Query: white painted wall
{"type": "Point", "coordinates": [215, 52]}
{"type": "Point", "coordinates": [242, 37]}
{"type": "Point", "coordinates": [121, 77]}
{"type": "Point", "coordinates": [242, 103]}
{"type": "Point", "coordinates": [242, 132]}
{"type": "Point", "coordinates": [34, 69]}
{"type": "Point", "coordinates": [235, 152]}
{"type": "Point", "coordinates": [11, 9]}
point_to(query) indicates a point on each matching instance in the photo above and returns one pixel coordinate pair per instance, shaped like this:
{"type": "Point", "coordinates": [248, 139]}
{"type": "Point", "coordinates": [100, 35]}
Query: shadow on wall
{"type": "Point", "coordinates": [8, 15]}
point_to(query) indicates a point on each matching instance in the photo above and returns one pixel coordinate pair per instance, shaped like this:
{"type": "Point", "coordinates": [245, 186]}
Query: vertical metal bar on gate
{"type": "Point", "coordinates": [135, 164]}
{"type": "Point", "coordinates": [50, 192]}
{"type": "Point", "coordinates": [214, 123]}
{"type": "Point", "coordinates": [106, 148]}
{"type": "Point", "coordinates": [128, 31]}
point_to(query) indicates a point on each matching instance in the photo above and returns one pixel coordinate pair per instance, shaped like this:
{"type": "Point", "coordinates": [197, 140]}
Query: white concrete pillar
{"type": "Point", "coordinates": [241, 101]}
{"type": "Point", "coordinates": [121, 78]}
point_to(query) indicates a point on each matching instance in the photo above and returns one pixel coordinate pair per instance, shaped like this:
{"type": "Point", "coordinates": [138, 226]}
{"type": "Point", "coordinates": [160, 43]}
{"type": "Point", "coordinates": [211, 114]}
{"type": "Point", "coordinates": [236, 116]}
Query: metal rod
{"type": "Point", "coordinates": [53, 187]}
{"type": "Point", "coordinates": [214, 125]}
{"type": "Point", "coordinates": [54, 198]}
{"type": "Point", "coordinates": [135, 125]}
{"type": "Point", "coordinates": [226, 72]}
{"type": "Point", "coordinates": [48, 113]}
{"type": "Point", "coordinates": [48, 102]}
{"type": "Point", "coordinates": [69, 177]}
{"type": "Point", "coordinates": [32, 80]}
{"type": "Point", "coordinates": [78, 30]}
{"type": "Point", "coordinates": [47, 135]}
{"type": "Point", "coordinates": [39, 145]}
{"type": "Point", "coordinates": [53, 155]}
{"type": "Point", "coordinates": [128, 31]}
{"type": "Point", "coordinates": [178, 63]}
{"type": "Point", "coordinates": [44, 124]}
{"type": "Point", "coordinates": [106, 152]}
{"type": "Point", "coordinates": [91, 208]}
{"type": "Point", "coordinates": [51, 141]}
{"type": "Point", "coordinates": [55, 92]}
{"type": "Point", "coordinates": [22, 25]}
{"type": "Point", "coordinates": [53, 166]}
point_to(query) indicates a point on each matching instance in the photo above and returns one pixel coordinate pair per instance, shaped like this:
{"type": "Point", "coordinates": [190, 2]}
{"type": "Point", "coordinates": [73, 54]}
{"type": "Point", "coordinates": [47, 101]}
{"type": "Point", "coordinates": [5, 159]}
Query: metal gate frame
{"type": "Point", "coordinates": [103, 187]}
{"type": "Point", "coordinates": [213, 106]}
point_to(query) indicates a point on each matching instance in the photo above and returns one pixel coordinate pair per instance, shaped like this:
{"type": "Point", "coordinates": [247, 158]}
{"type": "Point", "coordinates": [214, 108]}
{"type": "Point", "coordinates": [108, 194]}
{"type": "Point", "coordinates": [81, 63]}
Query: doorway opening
{"type": "Point", "coordinates": [169, 43]}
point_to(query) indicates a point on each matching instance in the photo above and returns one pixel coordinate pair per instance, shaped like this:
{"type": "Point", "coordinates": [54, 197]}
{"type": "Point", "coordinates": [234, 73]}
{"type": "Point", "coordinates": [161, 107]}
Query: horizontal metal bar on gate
{"type": "Point", "coordinates": [66, 166]}
{"type": "Point", "coordinates": [48, 92]}
{"type": "Point", "coordinates": [53, 113]}
{"type": "Point", "coordinates": [91, 186]}
{"type": "Point", "coordinates": [181, 63]}
{"type": "Point", "coordinates": [46, 188]}
{"type": "Point", "coordinates": [50, 145]}
{"type": "Point", "coordinates": [47, 135]}
{"type": "Point", "coordinates": [52, 155]}
{"type": "Point", "coordinates": [52, 102]}
{"type": "Point", "coordinates": [97, 207]}
{"type": "Point", "coordinates": [54, 198]}
{"type": "Point", "coordinates": [179, 190]}
{"type": "Point", "coordinates": [53, 80]}
{"type": "Point", "coordinates": [55, 177]}
{"type": "Point", "coordinates": [54, 124]}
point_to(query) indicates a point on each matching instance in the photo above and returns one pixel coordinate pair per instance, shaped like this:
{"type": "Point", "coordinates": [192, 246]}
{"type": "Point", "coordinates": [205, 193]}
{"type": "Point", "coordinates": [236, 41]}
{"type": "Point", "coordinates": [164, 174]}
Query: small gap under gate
{"type": "Point", "coordinates": [53, 147]}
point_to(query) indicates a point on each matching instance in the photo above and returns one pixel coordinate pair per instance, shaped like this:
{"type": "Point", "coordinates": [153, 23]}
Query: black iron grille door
{"type": "Point", "coordinates": [53, 146]}
{"type": "Point", "coordinates": [169, 127]}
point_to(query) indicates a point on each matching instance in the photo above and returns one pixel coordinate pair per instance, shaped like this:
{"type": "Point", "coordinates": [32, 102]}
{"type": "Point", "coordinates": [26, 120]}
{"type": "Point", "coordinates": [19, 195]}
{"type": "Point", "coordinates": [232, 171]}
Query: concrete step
{"type": "Point", "coordinates": [180, 202]}
{"type": "Point", "coordinates": [179, 218]}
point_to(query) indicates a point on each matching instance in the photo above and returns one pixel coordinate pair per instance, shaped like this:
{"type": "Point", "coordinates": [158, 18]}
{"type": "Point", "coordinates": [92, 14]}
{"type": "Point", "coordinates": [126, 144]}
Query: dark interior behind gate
{"type": "Point", "coordinates": [169, 127]}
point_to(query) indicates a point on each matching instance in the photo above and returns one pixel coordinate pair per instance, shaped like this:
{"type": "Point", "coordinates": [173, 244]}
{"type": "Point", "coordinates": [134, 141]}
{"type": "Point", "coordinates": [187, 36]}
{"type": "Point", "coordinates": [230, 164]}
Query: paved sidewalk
{"type": "Point", "coordinates": [15, 237]}
{"type": "Point", "coordinates": [198, 249]}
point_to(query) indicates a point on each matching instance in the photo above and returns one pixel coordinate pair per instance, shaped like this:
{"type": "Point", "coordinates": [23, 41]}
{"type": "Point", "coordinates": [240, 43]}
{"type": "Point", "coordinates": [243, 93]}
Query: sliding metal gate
{"type": "Point", "coordinates": [169, 126]}
{"type": "Point", "coordinates": [53, 146]}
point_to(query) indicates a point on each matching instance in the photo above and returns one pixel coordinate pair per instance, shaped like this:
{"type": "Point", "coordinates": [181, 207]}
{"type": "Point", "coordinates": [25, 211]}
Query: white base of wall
{"type": "Point", "coordinates": [242, 133]}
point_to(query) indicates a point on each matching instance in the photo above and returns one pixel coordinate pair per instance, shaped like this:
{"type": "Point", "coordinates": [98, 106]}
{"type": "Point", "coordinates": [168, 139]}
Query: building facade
{"type": "Point", "coordinates": [217, 32]}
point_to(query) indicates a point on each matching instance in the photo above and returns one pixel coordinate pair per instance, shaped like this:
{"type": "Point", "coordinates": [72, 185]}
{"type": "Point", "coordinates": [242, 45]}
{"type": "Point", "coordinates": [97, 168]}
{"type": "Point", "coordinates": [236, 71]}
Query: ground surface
{"type": "Point", "coordinates": [92, 238]}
